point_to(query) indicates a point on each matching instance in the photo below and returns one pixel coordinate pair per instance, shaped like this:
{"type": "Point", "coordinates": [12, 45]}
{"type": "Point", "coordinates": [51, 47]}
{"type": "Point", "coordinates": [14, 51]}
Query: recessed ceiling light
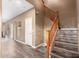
{"type": "Point", "coordinates": [18, 1]}
{"type": "Point", "coordinates": [56, 1]}
{"type": "Point", "coordinates": [51, 1]}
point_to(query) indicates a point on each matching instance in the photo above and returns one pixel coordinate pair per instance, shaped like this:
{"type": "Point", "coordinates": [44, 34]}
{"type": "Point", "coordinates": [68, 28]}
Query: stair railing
{"type": "Point", "coordinates": [51, 36]}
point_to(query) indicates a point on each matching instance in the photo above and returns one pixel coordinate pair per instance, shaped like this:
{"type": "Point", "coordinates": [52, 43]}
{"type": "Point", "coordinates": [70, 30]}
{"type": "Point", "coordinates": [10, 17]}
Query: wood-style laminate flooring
{"type": "Point", "coordinates": [12, 49]}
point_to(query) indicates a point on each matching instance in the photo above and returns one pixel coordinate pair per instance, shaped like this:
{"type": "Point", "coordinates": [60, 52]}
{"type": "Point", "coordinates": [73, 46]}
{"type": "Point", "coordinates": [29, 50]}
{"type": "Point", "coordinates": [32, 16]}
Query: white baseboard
{"type": "Point", "coordinates": [24, 43]}
{"type": "Point", "coordinates": [43, 44]}
{"type": "Point", "coordinates": [19, 41]}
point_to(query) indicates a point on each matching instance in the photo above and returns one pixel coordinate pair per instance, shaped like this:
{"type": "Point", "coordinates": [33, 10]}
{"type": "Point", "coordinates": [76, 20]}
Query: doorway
{"type": "Point", "coordinates": [28, 31]}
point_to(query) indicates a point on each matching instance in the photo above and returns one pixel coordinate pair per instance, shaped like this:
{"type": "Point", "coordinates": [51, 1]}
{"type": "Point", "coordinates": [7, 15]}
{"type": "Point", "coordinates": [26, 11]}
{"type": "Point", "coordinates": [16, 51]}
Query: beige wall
{"type": "Point", "coordinates": [47, 26]}
{"type": "Point", "coordinates": [39, 23]}
{"type": "Point", "coordinates": [21, 18]}
{"type": "Point", "coordinates": [68, 15]}
{"type": "Point", "coordinates": [47, 22]}
{"type": "Point", "coordinates": [78, 21]}
{"type": "Point", "coordinates": [39, 28]}
{"type": "Point", "coordinates": [0, 24]}
{"type": "Point", "coordinates": [39, 7]}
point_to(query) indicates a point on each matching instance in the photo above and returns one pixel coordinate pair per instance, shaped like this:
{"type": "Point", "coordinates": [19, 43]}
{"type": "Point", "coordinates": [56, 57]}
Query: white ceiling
{"type": "Point", "coordinates": [12, 8]}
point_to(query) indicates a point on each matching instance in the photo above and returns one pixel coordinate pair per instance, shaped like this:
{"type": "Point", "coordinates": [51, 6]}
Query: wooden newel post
{"type": "Point", "coordinates": [48, 45]}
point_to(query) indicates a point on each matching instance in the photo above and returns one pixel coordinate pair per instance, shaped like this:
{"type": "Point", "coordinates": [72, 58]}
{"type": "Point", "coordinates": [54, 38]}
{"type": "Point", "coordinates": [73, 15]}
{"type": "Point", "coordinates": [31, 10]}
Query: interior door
{"type": "Point", "coordinates": [28, 31]}
{"type": "Point", "coordinates": [11, 26]}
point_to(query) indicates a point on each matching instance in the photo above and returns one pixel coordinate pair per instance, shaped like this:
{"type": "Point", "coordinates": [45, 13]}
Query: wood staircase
{"type": "Point", "coordinates": [65, 44]}
{"type": "Point", "coordinates": [60, 44]}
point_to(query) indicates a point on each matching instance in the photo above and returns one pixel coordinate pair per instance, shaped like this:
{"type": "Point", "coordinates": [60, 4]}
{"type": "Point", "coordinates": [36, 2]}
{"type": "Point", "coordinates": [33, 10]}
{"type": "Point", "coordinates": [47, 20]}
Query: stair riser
{"type": "Point", "coordinates": [67, 46]}
{"type": "Point", "coordinates": [74, 36]}
{"type": "Point", "coordinates": [65, 53]}
{"type": "Point", "coordinates": [68, 31]}
{"type": "Point", "coordinates": [54, 56]}
{"type": "Point", "coordinates": [68, 41]}
{"type": "Point", "coordinates": [69, 38]}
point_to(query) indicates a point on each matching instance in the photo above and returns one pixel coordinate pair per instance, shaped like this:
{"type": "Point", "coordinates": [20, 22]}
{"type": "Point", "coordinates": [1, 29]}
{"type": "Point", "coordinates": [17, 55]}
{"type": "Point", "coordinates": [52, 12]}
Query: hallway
{"type": "Point", "coordinates": [13, 49]}
{"type": "Point", "coordinates": [39, 29]}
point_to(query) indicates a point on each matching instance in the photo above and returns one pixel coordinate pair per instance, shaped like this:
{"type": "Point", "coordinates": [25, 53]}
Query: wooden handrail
{"type": "Point", "coordinates": [51, 36]}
